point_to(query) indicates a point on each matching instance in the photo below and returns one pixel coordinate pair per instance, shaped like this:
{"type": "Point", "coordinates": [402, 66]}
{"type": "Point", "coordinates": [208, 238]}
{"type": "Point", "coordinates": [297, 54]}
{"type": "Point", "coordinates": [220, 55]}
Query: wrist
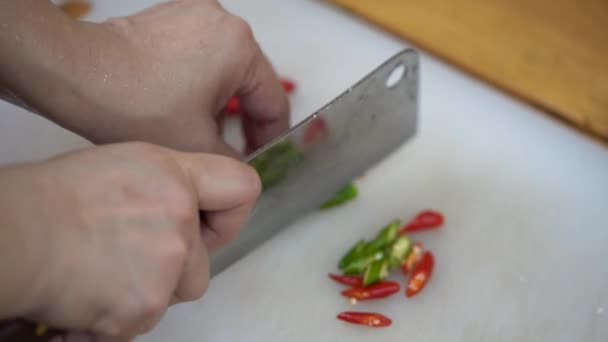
{"type": "Point", "coordinates": [24, 250]}
{"type": "Point", "coordinates": [67, 69]}
{"type": "Point", "coordinates": [40, 47]}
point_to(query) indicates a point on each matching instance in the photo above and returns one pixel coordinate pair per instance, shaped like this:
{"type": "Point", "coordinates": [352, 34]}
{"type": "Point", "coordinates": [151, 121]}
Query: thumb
{"type": "Point", "coordinates": [226, 189]}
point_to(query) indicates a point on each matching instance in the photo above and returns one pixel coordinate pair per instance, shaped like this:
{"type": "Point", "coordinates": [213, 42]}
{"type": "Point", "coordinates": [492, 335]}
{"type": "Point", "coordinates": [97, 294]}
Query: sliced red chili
{"type": "Point", "coordinates": [288, 85]}
{"type": "Point", "coordinates": [425, 220]}
{"type": "Point", "coordinates": [420, 275]}
{"type": "Point", "coordinates": [370, 319]}
{"type": "Point", "coordinates": [233, 106]}
{"type": "Point", "coordinates": [378, 290]}
{"type": "Point", "coordinates": [347, 280]}
{"type": "Point", "coordinates": [413, 258]}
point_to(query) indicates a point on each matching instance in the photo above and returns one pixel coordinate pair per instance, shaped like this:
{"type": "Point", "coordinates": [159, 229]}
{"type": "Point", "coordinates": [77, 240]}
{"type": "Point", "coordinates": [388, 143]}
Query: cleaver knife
{"type": "Point", "coordinates": [311, 162]}
{"type": "Point", "coordinates": [314, 160]}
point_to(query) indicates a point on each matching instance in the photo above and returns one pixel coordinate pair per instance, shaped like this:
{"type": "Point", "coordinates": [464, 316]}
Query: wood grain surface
{"type": "Point", "coordinates": [553, 54]}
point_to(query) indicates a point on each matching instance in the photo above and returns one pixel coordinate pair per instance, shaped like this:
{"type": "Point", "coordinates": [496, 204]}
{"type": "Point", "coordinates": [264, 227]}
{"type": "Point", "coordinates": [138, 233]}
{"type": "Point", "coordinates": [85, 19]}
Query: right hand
{"type": "Point", "coordinates": [123, 237]}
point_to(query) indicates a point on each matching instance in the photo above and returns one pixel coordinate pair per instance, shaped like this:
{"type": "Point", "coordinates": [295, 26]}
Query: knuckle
{"type": "Point", "coordinates": [239, 28]}
{"type": "Point", "coordinates": [151, 306]}
{"type": "Point", "coordinates": [195, 286]}
{"type": "Point", "coordinates": [150, 324]}
{"type": "Point", "coordinates": [279, 109]}
{"type": "Point", "coordinates": [116, 322]}
{"type": "Point", "coordinates": [111, 328]}
{"type": "Point", "coordinates": [174, 253]}
{"type": "Point", "coordinates": [196, 291]}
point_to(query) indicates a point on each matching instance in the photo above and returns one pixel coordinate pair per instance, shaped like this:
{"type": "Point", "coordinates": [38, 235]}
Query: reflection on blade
{"type": "Point", "coordinates": [304, 168]}
{"type": "Point", "coordinates": [272, 165]}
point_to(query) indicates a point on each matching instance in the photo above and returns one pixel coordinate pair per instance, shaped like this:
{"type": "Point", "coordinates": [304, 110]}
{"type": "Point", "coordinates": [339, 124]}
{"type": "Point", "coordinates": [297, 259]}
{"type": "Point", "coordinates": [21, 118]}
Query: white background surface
{"type": "Point", "coordinates": [523, 256]}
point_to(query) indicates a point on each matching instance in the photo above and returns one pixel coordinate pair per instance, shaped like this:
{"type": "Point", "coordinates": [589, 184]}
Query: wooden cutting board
{"type": "Point", "coordinates": [551, 53]}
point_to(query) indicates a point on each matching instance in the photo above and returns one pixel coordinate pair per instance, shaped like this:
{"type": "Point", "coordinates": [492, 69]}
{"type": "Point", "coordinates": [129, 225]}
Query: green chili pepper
{"type": "Point", "coordinates": [359, 266]}
{"type": "Point", "coordinates": [271, 177]}
{"type": "Point", "coordinates": [259, 162]}
{"type": "Point", "coordinates": [362, 250]}
{"type": "Point", "coordinates": [285, 159]}
{"type": "Point", "coordinates": [388, 234]}
{"type": "Point", "coordinates": [385, 237]}
{"type": "Point", "coordinates": [399, 251]}
{"type": "Point", "coordinates": [272, 165]}
{"type": "Point", "coordinates": [347, 193]}
{"type": "Point", "coordinates": [375, 272]}
{"type": "Point", "coordinates": [281, 147]}
{"type": "Point", "coordinates": [353, 254]}
{"type": "Point", "coordinates": [366, 255]}
{"type": "Point", "coordinates": [372, 247]}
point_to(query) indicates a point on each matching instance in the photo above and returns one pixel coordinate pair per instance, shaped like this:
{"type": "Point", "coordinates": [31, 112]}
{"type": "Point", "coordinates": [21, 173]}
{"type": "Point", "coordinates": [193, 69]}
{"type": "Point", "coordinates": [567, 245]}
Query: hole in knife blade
{"type": "Point", "coordinates": [396, 75]}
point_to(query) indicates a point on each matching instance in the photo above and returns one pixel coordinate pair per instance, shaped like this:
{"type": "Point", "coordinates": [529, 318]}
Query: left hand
{"type": "Point", "coordinates": [162, 76]}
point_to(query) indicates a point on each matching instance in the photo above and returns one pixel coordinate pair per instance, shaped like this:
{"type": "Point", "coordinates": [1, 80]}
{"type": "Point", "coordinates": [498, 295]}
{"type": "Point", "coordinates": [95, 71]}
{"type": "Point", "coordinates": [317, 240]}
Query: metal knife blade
{"type": "Point", "coordinates": [328, 150]}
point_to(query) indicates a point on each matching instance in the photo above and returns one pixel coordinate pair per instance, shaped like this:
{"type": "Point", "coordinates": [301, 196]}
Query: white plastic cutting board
{"type": "Point", "coordinates": [524, 253]}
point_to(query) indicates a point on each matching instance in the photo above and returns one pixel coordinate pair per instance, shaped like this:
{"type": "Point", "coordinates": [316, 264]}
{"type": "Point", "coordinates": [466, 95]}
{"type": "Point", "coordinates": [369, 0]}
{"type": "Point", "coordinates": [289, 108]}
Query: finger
{"type": "Point", "coordinates": [220, 122]}
{"type": "Point", "coordinates": [223, 148]}
{"type": "Point", "coordinates": [174, 300]}
{"type": "Point", "coordinates": [265, 104]}
{"type": "Point", "coordinates": [114, 339]}
{"type": "Point", "coordinates": [227, 190]}
{"type": "Point", "coordinates": [150, 323]}
{"type": "Point", "coordinates": [223, 226]}
{"type": "Point", "coordinates": [221, 183]}
{"type": "Point", "coordinates": [78, 337]}
{"type": "Point", "coordinates": [195, 276]}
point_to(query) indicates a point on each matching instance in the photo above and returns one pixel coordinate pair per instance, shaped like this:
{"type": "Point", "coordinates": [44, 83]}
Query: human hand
{"type": "Point", "coordinates": [162, 76]}
{"type": "Point", "coordinates": [118, 236]}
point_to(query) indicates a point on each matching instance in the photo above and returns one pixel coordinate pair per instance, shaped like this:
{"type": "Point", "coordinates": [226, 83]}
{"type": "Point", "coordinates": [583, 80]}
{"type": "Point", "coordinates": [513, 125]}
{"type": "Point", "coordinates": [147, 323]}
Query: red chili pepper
{"type": "Point", "coordinates": [420, 275]}
{"type": "Point", "coordinates": [414, 258]}
{"type": "Point", "coordinates": [347, 280]}
{"type": "Point", "coordinates": [371, 319]}
{"type": "Point", "coordinates": [378, 290]}
{"type": "Point", "coordinates": [233, 106]}
{"type": "Point", "coordinates": [425, 220]}
{"type": "Point", "coordinates": [288, 85]}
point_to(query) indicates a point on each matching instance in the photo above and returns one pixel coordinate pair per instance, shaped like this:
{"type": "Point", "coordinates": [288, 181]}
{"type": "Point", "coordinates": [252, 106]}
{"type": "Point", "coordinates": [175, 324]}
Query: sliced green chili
{"type": "Point", "coordinates": [271, 177]}
{"type": "Point", "coordinates": [272, 164]}
{"type": "Point", "coordinates": [399, 251]}
{"type": "Point", "coordinates": [388, 234]}
{"type": "Point", "coordinates": [353, 254]}
{"type": "Point", "coordinates": [347, 193]}
{"type": "Point", "coordinates": [372, 247]}
{"type": "Point", "coordinates": [358, 266]}
{"type": "Point", "coordinates": [385, 237]}
{"type": "Point", "coordinates": [375, 272]}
